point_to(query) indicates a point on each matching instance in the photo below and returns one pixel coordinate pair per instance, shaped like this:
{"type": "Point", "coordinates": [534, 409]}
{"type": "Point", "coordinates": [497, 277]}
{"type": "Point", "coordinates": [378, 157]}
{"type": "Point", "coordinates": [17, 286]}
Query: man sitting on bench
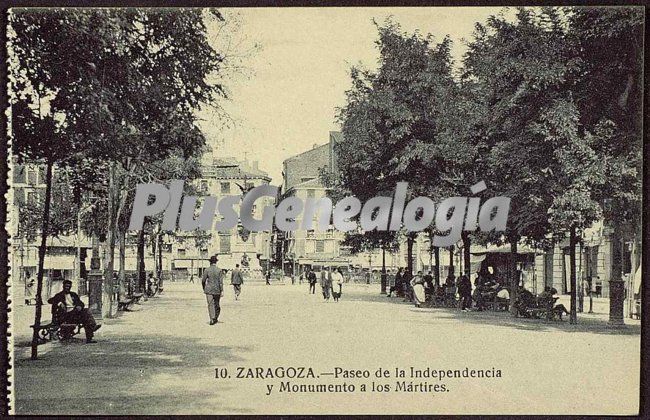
{"type": "Point", "coordinates": [69, 309]}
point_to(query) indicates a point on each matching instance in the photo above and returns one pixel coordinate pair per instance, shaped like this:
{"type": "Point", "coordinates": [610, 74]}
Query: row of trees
{"type": "Point", "coordinates": [545, 108]}
{"type": "Point", "coordinates": [108, 98]}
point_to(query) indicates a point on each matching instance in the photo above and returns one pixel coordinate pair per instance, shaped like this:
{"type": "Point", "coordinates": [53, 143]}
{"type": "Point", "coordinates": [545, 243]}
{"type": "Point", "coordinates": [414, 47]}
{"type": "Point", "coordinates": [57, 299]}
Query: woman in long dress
{"type": "Point", "coordinates": [418, 289]}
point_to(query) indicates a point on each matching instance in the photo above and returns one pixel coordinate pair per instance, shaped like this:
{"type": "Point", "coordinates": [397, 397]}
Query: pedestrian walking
{"type": "Point", "coordinates": [311, 278]}
{"type": "Point", "coordinates": [465, 292]}
{"type": "Point", "coordinates": [326, 282]}
{"type": "Point", "coordinates": [237, 279]}
{"type": "Point", "coordinates": [268, 276]}
{"type": "Point", "coordinates": [417, 283]}
{"type": "Point", "coordinates": [406, 284]}
{"type": "Point", "coordinates": [397, 286]}
{"type": "Point", "coordinates": [212, 283]}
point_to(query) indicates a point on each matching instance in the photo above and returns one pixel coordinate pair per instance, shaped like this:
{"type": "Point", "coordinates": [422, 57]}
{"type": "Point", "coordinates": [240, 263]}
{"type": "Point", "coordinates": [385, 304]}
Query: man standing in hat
{"type": "Point", "coordinates": [212, 282]}
{"type": "Point", "coordinates": [237, 279]}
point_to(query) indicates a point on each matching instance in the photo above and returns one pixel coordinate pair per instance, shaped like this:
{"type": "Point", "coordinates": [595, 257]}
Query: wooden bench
{"type": "Point", "coordinates": [637, 309]}
{"type": "Point", "coordinates": [123, 304]}
{"type": "Point", "coordinates": [52, 330]}
{"type": "Point", "coordinates": [497, 304]}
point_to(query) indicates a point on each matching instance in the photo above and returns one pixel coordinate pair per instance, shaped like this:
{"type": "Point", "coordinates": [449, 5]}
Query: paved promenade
{"type": "Point", "coordinates": [161, 358]}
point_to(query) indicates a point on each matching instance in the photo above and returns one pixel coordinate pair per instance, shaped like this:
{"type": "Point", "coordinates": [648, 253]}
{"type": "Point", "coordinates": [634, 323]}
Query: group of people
{"type": "Point", "coordinates": [328, 277]}
{"type": "Point", "coordinates": [421, 288]}
{"type": "Point", "coordinates": [416, 288]}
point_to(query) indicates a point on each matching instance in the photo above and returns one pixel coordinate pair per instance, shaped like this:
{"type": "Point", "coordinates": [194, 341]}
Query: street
{"type": "Point", "coordinates": [161, 358]}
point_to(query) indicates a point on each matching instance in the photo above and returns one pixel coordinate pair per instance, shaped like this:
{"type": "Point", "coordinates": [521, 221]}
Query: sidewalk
{"type": "Point", "coordinates": [161, 358]}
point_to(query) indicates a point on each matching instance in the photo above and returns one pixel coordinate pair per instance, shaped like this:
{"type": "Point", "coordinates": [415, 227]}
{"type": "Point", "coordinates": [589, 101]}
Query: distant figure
{"type": "Point", "coordinates": [326, 282]}
{"type": "Point", "coordinates": [67, 308]}
{"type": "Point", "coordinates": [417, 283]}
{"type": "Point", "coordinates": [311, 278]}
{"type": "Point", "coordinates": [268, 276]}
{"type": "Point", "coordinates": [337, 279]}
{"type": "Point", "coordinates": [237, 279]}
{"type": "Point", "coordinates": [212, 283]}
{"type": "Point", "coordinates": [465, 292]}
{"type": "Point", "coordinates": [407, 290]}
{"type": "Point", "coordinates": [192, 278]}
{"type": "Point", "coordinates": [29, 290]}
{"type": "Point", "coordinates": [548, 295]}
{"type": "Point", "coordinates": [397, 287]}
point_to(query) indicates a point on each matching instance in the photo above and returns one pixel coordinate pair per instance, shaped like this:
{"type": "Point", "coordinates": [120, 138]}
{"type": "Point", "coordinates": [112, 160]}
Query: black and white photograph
{"type": "Point", "coordinates": [325, 210]}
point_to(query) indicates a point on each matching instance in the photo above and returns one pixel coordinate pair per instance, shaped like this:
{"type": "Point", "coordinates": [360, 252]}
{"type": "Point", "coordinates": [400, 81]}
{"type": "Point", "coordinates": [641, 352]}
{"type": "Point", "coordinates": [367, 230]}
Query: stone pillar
{"type": "Point", "coordinates": [95, 279]}
{"type": "Point", "coordinates": [616, 295]}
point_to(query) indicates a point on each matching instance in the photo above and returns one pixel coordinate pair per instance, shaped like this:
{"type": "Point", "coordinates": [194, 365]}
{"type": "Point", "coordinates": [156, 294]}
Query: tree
{"type": "Point", "coordinates": [392, 120]}
{"type": "Point", "coordinates": [121, 86]}
{"type": "Point", "coordinates": [609, 93]}
{"type": "Point", "coordinates": [524, 72]}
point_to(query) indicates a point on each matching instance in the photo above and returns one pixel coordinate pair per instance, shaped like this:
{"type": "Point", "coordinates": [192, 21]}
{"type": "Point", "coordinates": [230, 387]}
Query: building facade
{"type": "Point", "coordinates": [251, 250]}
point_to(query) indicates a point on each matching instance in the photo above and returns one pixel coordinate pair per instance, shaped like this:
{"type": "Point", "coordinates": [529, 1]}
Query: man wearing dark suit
{"type": "Point", "coordinates": [212, 282]}
{"type": "Point", "coordinates": [67, 308]}
{"type": "Point", "coordinates": [237, 279]}
{"type": "Point", "coordinates": [326, 282]}
{"type": "Point", "coordinates": [311, 278]}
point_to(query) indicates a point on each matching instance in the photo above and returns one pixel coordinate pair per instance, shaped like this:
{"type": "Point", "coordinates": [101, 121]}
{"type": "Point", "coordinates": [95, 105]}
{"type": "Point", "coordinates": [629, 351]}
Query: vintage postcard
{"type": "Point", "coordinates": [325, 210]}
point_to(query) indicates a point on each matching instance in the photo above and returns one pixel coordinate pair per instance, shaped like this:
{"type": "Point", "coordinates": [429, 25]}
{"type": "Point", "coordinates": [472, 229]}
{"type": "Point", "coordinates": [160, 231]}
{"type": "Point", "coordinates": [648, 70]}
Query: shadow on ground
{"type": "Point", "coordinates": [126, 374]}
{"type": "Point", "coordinates": [585, 324]}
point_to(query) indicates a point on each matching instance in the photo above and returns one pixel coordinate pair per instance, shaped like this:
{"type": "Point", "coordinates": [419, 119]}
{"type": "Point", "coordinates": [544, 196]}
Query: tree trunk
{"type": "Point", "coordinates": [616, 293]}
{"type": "Point", "coordinates": [574, 281]}
{"type": "Point", "coordinates": [409, 254]}
{"type": "Point", "coordinates": [77, 266]}
{"type": "Point", "coordinates": [451, 261]}
{"type": "Point", "coordinates": [466, 253]}
{"type": "Point", "coordinates": [122, 262]}
{"type": "Point", "coordinates": [154, 250]}
{"type": "Point", "coordinates": [514, 279]}
{"type": "Point", "coordinates": [109, 246]}
{"type": "Point", "coordinates": [436, 271]}
{"type": "Point", "coordinates": [581, 280]}
{"type": "Point", "coordinates": [41, 258]}
{"type": "Point", "coordinates": [142, 275]}
{"type": "Point", "coordinates": [383, 270]}
{"type": "Point", "coordinates": [160, 269]}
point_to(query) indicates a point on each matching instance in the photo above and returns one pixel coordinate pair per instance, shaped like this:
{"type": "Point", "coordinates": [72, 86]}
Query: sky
{"type": "Point", "coordinates": [285, 99]}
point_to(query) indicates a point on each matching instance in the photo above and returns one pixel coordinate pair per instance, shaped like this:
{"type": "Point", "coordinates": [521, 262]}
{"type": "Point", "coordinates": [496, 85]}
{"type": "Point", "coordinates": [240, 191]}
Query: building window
{"type": "Point", "coordinates": [204, 186]}
{"type": "Point", "coordinates": [32, 176]}
{"type": "Point", "coordinates": [204, 252]}
{"type": "Point", "coordinates": [320, 246]}
{"type": "Point", "coordinates": [181, 252]}
{"type": "Point", "coordinates": [224, 244]}
{"type": "Point", "coordinates": [311, 193]}
{"type": "Point", "coordinates": [225, 188]}
{"type": "Point", "coordinates": [310, 233]}
{"type": "Point", "coordinates": [19, 174]}
{"type": "Point", "coordinates": [33, 197]}
{"type": "Point", "coordinates": [305, 179]}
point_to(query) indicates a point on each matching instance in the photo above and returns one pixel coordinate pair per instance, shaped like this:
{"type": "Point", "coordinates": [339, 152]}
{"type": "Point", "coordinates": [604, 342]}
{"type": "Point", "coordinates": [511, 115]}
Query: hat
{"type": "Point", "coordinates": [213, 259]}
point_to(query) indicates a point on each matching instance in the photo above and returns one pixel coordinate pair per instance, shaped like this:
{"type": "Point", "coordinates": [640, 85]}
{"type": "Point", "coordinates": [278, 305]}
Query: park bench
{"type": "Point", "coordinates": [54, 330]}
{"type": "Point", "coordinates": [637, 309]}
{"type": "Point", "coordinates": [124, 303]}
{"type": "Point", "coordinates": [497, 304]}
{"type": "Point", "coordinates": [542, 308]}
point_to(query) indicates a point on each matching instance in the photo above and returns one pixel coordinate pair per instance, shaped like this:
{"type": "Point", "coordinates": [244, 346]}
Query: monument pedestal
{"type": "Point", "coordinates": [248, 264]}
{"type": "Point", "coordinates": [95, 281]}
{"type": "Point", "coordinates": [616, 297]}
